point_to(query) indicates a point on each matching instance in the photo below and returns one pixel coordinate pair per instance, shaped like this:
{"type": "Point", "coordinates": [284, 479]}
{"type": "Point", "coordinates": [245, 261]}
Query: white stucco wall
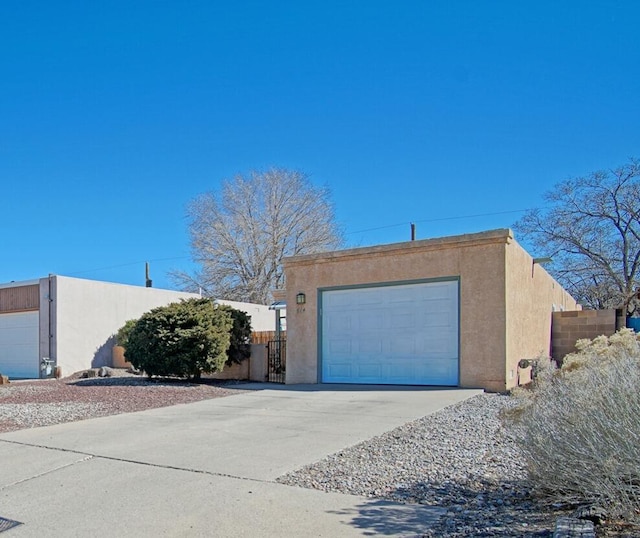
{"type": "Point", "coordinates": [262, 319]}
{"type": "Point", "coordinates": [86, 314]}
{"type": "Point", "coordinates": [79, 318]}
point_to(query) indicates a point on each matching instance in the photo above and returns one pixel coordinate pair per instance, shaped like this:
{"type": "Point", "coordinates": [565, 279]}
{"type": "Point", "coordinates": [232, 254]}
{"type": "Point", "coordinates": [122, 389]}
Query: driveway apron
{"type": "Point", "coordinates": [209, 468]}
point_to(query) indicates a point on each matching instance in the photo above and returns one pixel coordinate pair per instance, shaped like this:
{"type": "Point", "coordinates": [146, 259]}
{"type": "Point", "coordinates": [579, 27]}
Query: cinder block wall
{"type": "Point", "coordinates": [568, 327]}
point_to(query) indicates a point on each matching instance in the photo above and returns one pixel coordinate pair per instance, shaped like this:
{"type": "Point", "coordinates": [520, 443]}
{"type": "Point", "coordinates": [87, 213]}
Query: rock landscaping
{"type": "Point", "coordinates": [96, 393]}
{"type": "Point", "coordinates": [460, 458]}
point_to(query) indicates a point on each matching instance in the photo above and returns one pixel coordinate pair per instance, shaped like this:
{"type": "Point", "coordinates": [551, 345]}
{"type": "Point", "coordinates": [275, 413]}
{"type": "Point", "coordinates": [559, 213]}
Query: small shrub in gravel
{"type": "Point", "coordinates": [579, 427]}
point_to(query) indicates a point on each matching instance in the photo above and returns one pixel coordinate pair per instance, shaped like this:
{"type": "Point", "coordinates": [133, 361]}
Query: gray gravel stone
{"type": "Point", "coordinates": [460, 458]}
{"type": "Point", "coordinates": [569, 527]}
{"type": "Point", "coordinates": [31, 404]}
{"type": "Point", "coordinates": [36, 414]}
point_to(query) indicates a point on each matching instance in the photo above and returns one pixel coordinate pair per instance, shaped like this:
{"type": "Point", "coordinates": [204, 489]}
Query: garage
{"type": "Point", "coordinates": [396, 334]}
{"type": "Point", "coordinates": [19, 349]}
{"type": "Point", "coordinates": [461, 311]}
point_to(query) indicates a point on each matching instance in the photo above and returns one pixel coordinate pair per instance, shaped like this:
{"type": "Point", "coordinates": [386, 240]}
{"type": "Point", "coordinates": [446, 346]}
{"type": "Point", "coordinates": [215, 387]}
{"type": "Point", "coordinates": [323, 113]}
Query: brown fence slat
{"type": "Point", "coordinates": [264, 337]}
{"type": "Point", "coordinates": [20, 298]}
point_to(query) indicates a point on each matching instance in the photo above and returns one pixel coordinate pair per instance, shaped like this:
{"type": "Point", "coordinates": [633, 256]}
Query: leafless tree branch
{"type": "Point", "coordinates": [240, 235]}
{"type": "Point", "coordinates": [592, 230]}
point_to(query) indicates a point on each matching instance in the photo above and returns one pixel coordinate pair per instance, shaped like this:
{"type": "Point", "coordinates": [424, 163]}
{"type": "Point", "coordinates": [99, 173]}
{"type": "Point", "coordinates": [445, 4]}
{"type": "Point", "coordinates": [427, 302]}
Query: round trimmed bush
{"type": "Point", "coordinates": [182, 339]}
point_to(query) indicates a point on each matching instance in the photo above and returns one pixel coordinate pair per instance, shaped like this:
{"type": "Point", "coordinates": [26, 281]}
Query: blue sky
{"type": "Point", "coordinates": [114, 114]}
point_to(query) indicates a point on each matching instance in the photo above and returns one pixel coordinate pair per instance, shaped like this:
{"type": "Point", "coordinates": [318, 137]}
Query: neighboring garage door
{"type": "Point", "coordinates": [19, 345]}
{"type": "Point", "coordinates": [394, 334]}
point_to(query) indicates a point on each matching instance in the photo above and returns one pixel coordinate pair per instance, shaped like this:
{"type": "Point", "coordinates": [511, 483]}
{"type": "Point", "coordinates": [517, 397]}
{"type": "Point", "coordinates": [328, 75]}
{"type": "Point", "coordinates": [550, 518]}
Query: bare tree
{"type": "Point", "coordinates": [591, 229]}
{"type": "Point", "coordinates": [240, 235]}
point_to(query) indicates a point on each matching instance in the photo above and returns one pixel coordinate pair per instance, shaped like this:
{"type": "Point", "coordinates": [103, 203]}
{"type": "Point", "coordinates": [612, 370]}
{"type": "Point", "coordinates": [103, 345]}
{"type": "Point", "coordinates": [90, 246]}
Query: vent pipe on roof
{"type": "Point", "coordinates": [148, 281]}
{"type": "Point", "coordinates": [413, 232]}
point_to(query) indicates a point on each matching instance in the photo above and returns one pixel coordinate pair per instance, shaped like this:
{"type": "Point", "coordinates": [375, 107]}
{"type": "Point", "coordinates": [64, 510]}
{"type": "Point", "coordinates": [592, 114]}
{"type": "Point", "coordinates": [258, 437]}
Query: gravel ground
{"type": "Point", "coordinates": [460, 458]}
{"type": "Point", "coordinates": [29, 404]}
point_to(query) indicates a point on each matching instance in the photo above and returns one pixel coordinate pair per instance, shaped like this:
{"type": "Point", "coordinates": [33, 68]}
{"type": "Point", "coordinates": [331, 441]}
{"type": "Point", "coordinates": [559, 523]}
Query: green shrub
{"type": "Point", "coordinates": [240, 346]}
{"type": "Point", "coordinates": [182, 339]}
{"type": "Point", "coordinates": [122, 336]}
{"type": "Point", "coordinates": [579, 427]}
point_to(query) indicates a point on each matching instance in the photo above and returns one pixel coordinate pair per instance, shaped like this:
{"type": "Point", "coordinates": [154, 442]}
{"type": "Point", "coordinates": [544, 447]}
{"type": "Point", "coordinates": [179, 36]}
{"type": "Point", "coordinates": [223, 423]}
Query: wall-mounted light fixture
{"type": "Point", "coordinates": [301, 298]}
{"type": "Point", "coordinates": [542, 260]}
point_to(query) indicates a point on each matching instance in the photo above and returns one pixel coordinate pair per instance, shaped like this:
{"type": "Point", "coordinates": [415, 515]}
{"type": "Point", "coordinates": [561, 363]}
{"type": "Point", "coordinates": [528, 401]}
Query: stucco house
{"type": "Point", "coordinates": [70, 322]}
{"type": "Point", "coordinates": [454, 311]}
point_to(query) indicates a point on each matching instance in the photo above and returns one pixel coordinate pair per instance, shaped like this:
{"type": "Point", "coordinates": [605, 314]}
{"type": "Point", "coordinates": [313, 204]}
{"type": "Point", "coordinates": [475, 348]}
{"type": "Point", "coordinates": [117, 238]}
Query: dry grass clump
{"type": "Point", "coordinates": [579, 427]}
{"type": "Point", "coordinates": [602, 349]}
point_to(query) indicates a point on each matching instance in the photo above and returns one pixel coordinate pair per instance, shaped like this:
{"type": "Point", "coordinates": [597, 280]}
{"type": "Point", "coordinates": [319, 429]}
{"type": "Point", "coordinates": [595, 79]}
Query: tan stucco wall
{"type": "Point", "coordinates": [489, 265]}
{"type": "Point", "coordinates": [532, 295]}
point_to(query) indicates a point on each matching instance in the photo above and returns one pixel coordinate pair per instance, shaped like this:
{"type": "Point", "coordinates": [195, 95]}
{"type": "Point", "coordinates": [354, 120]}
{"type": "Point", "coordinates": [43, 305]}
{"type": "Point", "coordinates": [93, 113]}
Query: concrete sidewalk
{"type": "Point", "coordinates": [208, 468]}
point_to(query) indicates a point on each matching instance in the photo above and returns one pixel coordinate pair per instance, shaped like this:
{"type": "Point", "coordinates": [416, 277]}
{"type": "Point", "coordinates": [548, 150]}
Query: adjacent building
{"type": "Point", "coordinates": [70, 323]}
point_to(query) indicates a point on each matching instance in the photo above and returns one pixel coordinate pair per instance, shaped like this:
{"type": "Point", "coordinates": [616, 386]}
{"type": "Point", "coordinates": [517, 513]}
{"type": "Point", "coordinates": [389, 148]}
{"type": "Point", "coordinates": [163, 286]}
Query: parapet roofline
{"type": "Point", "coordinates": [501, 235]}
{"type": "Point", "coordinates": [19, 283]}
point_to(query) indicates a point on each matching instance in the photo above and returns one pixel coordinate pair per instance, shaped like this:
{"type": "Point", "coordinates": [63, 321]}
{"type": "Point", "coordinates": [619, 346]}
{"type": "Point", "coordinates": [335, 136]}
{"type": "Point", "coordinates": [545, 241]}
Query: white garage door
{"type": "Point", "coordinates": [19, 345]}
{"type": "Point", "coordinates": [401, 334]}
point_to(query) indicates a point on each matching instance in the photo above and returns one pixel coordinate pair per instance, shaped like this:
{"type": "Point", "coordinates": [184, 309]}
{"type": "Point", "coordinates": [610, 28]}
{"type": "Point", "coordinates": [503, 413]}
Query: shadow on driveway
{"type": "Point", "coordinates": [385, 518]}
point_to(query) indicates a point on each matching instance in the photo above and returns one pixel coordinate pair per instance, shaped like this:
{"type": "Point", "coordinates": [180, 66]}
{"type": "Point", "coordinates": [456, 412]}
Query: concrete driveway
{"type": "Point", "coordinates": [209, 468]}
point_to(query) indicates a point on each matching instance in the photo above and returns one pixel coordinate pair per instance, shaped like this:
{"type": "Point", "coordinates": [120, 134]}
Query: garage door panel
{"type": "Point", "coordinates": [402, 346]}
{"type": "Point", "coordinates": [401, 319]}
{"type": "Point", "coordinates": [340, 371]}
{"type": "Point", "coordinates": [438, 305]}
{"type": "Point", "coordinates": [370, 346]}
{"type": "Point", "coordinates": [436, 348]}
{"type": "Point", "coordinates": [404, 334]}
{"type": "Point", "coordinates": [369, 370]}
{"type": "Point", "coordinates": [440, 371]}
{"type": "Point", "coordinates": [368, 298]}
{"type": "Point", "coordinates": [12, 358]}
{"type": "Point", "coordinates": [438, 330]}
{"type": "Point", "coordinates": [437, 291]}
{"type": "Point", "coordinates": [371, 320]}
{"type": "Point", "coordinates": [340, 347]}
{"type": "Point", "coordinates": [19, 344]}
{"type": "Point", "coordinates": [437, 372]}
{"type": "Point", "coordinates": [438, 319]}
{"type": "Point", "coordinates": [339, 321]}
{"type": "Point", "coordinates": [337, 299]}
{"type": "Point", "coordinates": [401, 296]}
{"type": "Point", "coordinates": [401, 371]}
{"type": "Point", "coordinates": [16, 334]}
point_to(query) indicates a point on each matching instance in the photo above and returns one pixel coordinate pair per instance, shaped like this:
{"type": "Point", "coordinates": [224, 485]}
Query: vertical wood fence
{"type": "Point", "coordinates": [264, 337]}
